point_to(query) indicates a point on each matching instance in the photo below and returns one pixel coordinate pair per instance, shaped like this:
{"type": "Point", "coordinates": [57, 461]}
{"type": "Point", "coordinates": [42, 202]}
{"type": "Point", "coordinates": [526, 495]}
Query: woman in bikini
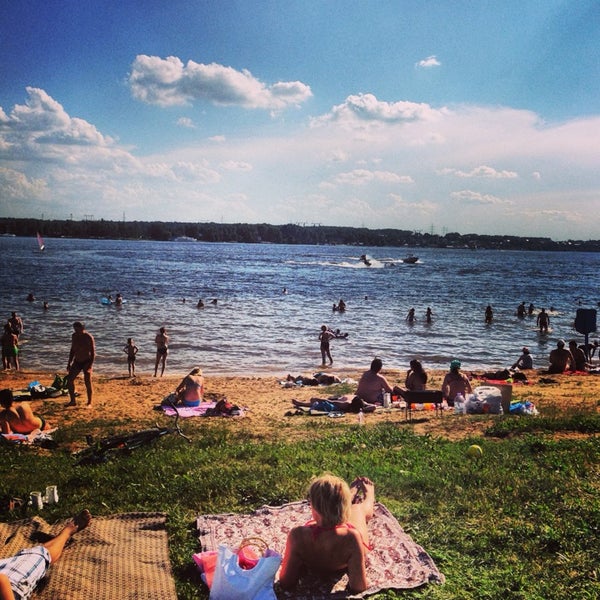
{"type": "Point", "coordinates": [336, 538]}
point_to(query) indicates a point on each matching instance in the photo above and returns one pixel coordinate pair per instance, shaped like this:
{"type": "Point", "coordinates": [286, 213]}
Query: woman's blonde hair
{"type": "Point", "coordinates": [330, 496]}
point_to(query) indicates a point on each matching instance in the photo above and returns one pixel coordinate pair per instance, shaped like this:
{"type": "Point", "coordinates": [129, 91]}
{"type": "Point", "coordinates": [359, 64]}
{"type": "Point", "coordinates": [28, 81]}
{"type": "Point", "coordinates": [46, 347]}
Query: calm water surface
{"type": "Point", "coordinates": [255, 328]}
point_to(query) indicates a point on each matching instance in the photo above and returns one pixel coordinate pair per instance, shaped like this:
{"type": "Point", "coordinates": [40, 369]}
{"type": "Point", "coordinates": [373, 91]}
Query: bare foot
{"type": "Point", "coordinates": [82, 519]}
{"type": "Point", "coordinates": [360, 490]}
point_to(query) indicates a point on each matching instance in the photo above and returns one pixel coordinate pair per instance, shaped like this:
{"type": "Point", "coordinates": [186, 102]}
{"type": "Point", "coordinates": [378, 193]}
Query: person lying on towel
{"type": "Point", "coordinates": [336, 538]}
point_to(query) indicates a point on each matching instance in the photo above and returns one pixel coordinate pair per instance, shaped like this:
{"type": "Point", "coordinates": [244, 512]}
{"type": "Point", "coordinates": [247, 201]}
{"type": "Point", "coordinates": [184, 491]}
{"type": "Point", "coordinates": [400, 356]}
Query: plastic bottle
{"type": "Point", "coordinates": [361, 417]}
{"type": "Point", "coordinates": [459, 404]}
{"type": "Point", "coordinates": [387, 400]}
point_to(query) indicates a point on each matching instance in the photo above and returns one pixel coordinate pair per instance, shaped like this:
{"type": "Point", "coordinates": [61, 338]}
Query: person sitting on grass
{"type": "Point", "coordinates": [18, 418]}
{"type": "Point", "coordinates": [336, 538]}
{"type": "Point", "coordinates": [19, 574]}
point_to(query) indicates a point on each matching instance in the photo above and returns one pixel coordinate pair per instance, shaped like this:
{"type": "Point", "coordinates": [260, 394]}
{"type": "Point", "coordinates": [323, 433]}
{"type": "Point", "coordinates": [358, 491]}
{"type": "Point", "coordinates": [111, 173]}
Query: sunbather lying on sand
{"type": "Point", "coordinates": [341, 403]}
{"type": "Point", "coordinates": [336, 538]}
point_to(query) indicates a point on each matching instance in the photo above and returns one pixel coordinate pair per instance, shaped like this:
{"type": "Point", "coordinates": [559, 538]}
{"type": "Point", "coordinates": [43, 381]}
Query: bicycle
{"type": "Point", "coordinates": [98, 451]}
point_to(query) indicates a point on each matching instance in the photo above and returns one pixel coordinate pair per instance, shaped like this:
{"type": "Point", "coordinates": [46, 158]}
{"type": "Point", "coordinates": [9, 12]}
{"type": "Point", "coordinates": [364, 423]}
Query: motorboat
{"type": "Point", "coordinates": [410, 259]}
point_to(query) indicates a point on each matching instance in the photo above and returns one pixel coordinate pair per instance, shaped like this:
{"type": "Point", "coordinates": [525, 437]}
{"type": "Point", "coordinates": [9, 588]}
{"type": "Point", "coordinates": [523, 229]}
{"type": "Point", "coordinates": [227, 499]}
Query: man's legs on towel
{"type": "Point", "coordinates": [20, 574]}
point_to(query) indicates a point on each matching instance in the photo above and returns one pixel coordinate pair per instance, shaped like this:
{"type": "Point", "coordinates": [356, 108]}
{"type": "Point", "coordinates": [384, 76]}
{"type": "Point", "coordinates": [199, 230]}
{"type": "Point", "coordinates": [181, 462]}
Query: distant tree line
{"type": "Point", "coordinates": [281, 234]}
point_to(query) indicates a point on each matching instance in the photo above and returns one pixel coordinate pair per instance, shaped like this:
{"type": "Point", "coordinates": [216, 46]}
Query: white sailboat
{"type": "Point", "coordinates": [41, 243]}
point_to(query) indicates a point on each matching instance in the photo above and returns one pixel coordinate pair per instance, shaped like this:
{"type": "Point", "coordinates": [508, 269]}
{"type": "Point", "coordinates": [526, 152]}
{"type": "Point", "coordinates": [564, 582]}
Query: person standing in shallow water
{"type": "Point", "coordinates": [81, 358]}
{"type": "Point", "coordinates": [325, 337]}
{"type": "Point", "coordinates": [489, 314]}
{"type": "Point", "coordinates": [162, 349]}
{"type": "Point", "coordinates": [131, 350]}
{"type": "Point", "coordinates": [543, 321]}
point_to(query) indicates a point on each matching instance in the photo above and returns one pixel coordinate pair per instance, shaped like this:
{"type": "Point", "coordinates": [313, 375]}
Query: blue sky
{"type": "Point", "coordinates": [468, 116]}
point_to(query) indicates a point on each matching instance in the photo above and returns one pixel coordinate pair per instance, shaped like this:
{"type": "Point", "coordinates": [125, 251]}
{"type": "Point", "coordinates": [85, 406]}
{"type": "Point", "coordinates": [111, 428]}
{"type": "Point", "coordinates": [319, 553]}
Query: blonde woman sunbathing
{"type": "Point", "coordinates": [336, 538]}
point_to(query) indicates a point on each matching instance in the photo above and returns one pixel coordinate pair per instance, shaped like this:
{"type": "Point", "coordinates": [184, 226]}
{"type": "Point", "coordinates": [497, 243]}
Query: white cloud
{"type": "Point", "coordinates": [236, 165]}
{"type": "Point", "coordinates": [186, 122]}
{"type": "Point", "coordinates": [366, 108]}
{"type": "Point", "coordinates": [16, 186]}
{"type": "Point", "coordinates": [364, 176]}
{"type": "Point", "coordinates": [428, 63]}
{"type": "Point", "coordinates": [483, 171]}
{"type": "Point", "coordinates": [168, 82]}
{"type": "Point", "coordinates": [471, 197]}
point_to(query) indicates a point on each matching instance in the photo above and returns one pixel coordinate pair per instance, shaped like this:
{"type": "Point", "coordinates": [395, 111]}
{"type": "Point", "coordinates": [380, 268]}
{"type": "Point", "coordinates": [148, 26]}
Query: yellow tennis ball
{"type": "Point", "coordinates": [474, 451]}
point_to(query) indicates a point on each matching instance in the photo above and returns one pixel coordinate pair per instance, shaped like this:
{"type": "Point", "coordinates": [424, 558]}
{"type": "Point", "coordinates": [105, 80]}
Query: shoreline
{"type": "Point", "coordinates": [126, 403]}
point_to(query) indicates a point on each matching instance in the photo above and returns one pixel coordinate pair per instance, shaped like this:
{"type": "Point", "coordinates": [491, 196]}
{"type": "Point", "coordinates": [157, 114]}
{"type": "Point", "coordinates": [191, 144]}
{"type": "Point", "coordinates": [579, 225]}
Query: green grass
{"type": "Point", "coordinates": [523, 521]}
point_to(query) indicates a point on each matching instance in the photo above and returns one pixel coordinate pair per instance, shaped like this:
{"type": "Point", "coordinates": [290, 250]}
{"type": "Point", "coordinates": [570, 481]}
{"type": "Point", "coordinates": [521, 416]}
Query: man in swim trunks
{"type": "Point", "coordinates": [19, 418]}
{"type": "Point", "coordinates": [324, 337]}
{"type": "Point", "coordinates": [372, 385]}
{"type": "Point", "coordinates": [81, 358]}
{"type": "Point", "coordinates": [162, 349]}
{"type": "Point", "coordinates": [20, 574]}
{"type": "Point", "coordinates": [336, 538]}
{"type": "Point", "coordinates": [560, 358]}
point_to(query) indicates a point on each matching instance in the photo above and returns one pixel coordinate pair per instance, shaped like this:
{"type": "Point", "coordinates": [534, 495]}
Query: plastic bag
{"type": "Point", "coordinates": [523, 408]}
{"type": "Point", "coordinates": [232, 582]}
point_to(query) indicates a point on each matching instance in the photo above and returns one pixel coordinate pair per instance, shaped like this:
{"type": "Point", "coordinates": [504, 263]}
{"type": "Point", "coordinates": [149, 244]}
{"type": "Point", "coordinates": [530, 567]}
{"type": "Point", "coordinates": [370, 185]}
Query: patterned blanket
{"type": "Point", "coordinates": [396, 562]}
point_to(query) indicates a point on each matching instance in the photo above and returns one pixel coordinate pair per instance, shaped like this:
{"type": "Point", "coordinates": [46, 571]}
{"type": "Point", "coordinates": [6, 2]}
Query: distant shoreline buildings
{"type": "Point", "coordinates": [263, 233]}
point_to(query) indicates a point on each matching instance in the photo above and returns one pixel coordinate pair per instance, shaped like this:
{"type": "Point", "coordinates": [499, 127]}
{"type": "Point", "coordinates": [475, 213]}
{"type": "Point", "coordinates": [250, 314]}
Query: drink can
{"type": "Point", "coordinates": [51, 494]}
{"type": "Point", "coordinates": [37, 501]}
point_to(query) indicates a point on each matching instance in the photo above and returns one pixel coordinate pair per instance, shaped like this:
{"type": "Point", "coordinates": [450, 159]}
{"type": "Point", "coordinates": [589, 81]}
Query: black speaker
{"type": "Point", "coordinates": [585, 320]}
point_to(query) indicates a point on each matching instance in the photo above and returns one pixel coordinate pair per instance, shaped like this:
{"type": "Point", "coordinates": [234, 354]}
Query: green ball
{"type": "Point", "coordinates": [474, 451]}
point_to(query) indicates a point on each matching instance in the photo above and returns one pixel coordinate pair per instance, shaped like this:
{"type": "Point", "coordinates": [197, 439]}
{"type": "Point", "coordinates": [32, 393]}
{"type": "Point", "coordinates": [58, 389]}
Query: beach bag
{"type": "Point", "coordinates": [245, 574]}
{"type": "Point", "coordinates": [488, 400]}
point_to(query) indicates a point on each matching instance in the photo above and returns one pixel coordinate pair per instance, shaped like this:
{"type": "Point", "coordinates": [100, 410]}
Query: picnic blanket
{"type": "Point", "coordinates": [396, 562]}
{"type": "Point", "coordinates": [121, 556]}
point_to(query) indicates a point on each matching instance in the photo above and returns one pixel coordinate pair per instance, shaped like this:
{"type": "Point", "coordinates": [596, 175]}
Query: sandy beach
{"type": "Point", "coordinates": [119, 399]}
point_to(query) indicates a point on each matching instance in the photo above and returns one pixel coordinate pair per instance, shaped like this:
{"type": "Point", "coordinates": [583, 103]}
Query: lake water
{"type": "Point", "coordinates": [256, 328]}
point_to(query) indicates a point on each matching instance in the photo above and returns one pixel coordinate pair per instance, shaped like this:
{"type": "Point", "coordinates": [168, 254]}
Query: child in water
{"type": "Point", "coordinates": [131, 350]}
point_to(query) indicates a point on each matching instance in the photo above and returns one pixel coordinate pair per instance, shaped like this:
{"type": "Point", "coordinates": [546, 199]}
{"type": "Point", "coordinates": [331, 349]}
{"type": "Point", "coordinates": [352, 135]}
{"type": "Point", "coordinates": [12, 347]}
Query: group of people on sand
{"type": "Point", "coordinates": [373, 385]}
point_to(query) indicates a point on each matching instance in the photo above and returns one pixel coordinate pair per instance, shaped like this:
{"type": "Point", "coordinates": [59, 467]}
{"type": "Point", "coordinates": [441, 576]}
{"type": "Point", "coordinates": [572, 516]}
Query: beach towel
{"type": "Point", "coordinates": [204, 409]}
{"type": "Point", "coordinates": [396, 562]}
{"type": "Point", "coordinates": [121, 556]}
{"type": "Point", "coordinates": [35, 437]}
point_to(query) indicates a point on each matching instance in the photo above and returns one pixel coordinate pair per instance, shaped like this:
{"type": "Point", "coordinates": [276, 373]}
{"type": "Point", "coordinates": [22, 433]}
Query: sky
{"type": "Point", "coordinates": [433, 116]}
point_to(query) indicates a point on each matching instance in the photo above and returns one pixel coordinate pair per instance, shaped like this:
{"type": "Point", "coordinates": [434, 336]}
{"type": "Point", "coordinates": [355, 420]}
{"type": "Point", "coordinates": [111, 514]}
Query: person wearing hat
{"type": "Point", "coordinates": [190, 391]}
{"type": "Point", "coordinates": [560, 358]}
{"type": "Point", "coordinates": [455, 383]}
{"type": "Point", "coordinates": [525, 361]}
